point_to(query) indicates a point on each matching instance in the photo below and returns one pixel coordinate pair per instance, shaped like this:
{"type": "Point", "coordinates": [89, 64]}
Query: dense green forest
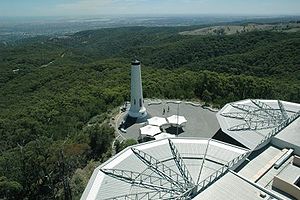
{"type": "Point", "coordinates": [51, 87]}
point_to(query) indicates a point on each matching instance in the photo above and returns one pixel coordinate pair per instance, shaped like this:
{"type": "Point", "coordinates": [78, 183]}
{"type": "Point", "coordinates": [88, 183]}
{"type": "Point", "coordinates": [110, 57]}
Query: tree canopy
{"type": "Point", "coordinates": [50, 88]}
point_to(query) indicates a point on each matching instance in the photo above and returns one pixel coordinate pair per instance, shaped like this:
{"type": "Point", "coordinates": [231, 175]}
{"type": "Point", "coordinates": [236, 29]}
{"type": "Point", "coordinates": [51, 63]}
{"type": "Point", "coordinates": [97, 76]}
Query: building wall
{"type": "Point", "coordinates": [283, 144]}
{"type": "Point", "coordinates": [286, 187]}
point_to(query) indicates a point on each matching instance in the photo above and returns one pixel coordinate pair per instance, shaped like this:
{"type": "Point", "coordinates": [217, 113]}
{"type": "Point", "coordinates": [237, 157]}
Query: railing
{"type": "Point", "coordinates": [206, 182]}
{"type": "Point", "coordinates": [214, 176]}
{"type": "Point", "coordinates": [234, 161]}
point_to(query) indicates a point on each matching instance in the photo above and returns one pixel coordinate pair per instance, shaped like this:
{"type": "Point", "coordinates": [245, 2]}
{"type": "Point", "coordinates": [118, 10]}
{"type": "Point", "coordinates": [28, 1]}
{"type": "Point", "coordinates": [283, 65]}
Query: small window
{"type": "Point", "coordinates": [134, 102]}
{"type": "Point", "coordinates": [140, 102]}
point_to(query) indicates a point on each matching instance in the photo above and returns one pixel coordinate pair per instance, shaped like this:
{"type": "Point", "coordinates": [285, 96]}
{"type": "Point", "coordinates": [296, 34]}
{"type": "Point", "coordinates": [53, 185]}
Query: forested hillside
{"type": "Point", "coordinates": [51, 87]}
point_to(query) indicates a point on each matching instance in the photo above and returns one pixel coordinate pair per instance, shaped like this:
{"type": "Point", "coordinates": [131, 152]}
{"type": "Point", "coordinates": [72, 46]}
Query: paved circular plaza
{"type": "Point", "coordinates": [201, 122]}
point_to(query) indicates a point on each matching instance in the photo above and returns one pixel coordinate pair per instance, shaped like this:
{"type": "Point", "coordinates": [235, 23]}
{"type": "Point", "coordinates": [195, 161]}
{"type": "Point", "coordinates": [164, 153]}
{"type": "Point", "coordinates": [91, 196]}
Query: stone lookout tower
{"type": "Point", "coordinates": [137, 108]}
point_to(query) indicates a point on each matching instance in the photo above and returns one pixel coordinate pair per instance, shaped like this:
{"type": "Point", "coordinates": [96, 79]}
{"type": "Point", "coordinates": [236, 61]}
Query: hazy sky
{"type": "Point", "coordinates": [115, 7]}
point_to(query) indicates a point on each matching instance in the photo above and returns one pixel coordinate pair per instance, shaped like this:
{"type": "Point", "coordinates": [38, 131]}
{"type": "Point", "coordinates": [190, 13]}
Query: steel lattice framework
{"type": "Point", "coordinates": [257, 116]}
{"type": "Point", "coordinates": [162, 183]}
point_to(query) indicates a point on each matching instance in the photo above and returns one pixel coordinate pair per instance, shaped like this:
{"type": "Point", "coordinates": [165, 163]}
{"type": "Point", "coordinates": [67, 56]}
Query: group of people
{"type": "Point", "coordinates": [164, 110]}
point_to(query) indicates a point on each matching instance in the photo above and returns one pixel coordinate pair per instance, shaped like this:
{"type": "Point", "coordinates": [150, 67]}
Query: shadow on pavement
{"type": "Point", "coordinates": [173, 130]}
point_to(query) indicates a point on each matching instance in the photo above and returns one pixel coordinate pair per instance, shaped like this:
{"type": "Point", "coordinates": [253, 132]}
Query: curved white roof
{"type": "Point", "coordinates": [128, 174]}
{"type": "Point", "coordinates": [250, 121]}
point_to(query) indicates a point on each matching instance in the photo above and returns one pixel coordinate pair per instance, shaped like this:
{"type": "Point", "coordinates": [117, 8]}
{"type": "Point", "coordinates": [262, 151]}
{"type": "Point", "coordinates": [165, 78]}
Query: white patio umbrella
{"type": "Point", "coordinates": [157, 121]}
{"type": "Point", "coordinates": [163, 136]}
{"type": "Point", "coordinates": [177, 120]}
{"type": "Point", "coordinates": [150, 130]}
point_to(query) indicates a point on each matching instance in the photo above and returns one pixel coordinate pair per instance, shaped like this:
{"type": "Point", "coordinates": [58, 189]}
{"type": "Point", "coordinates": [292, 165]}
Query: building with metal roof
{"type": "Point", "coordinates": [250, 121]}
{"type": "Point", "coordinates": [232, 187]}
{"type": "Point", "coordinates": [290, 136]}
{"type": "Point", "coordinates": [266, 165]}
{"type": "Point", "coordinates": [164, 169]}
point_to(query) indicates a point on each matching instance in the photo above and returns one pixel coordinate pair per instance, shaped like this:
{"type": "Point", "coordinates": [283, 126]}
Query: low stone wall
{"type": "Point", "coordinates": [195, 104]}
{"type": "Point", "coordinates": [154, 103]}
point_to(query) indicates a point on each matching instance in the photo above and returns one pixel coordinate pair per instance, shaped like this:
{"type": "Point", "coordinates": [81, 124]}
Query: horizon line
{"type": "Point", "coordinates": [162, 15]}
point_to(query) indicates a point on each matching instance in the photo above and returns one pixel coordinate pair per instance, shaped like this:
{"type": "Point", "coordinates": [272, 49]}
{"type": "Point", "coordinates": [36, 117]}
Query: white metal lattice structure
{"type": "Point", "coordinates": [250, 121]}
{"type": "Point", "coordinates": [257, 116]}
{"type": "Point", "coordinates": [164, 169]}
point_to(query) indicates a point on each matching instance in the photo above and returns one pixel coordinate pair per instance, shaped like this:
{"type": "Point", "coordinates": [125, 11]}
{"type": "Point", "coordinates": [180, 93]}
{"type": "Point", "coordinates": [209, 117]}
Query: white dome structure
{"type": "Point", "coordinates": [174, 168]}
